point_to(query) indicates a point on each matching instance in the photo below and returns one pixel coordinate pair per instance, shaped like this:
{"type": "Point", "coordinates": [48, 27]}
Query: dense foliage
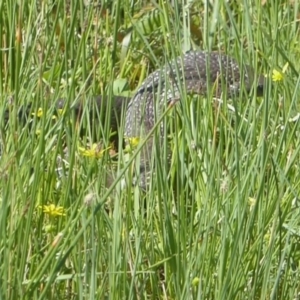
{"type": "Point", "coordinates": [222, 223]}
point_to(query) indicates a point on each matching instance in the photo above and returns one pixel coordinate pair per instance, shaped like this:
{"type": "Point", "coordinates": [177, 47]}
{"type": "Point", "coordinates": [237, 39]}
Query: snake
{"type": "Point", "coordinates": [195, 72]}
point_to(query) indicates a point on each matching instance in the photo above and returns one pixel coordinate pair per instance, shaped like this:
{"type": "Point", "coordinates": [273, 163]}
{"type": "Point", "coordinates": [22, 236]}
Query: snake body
{"type": "Point", "coordinates": [196, 72]}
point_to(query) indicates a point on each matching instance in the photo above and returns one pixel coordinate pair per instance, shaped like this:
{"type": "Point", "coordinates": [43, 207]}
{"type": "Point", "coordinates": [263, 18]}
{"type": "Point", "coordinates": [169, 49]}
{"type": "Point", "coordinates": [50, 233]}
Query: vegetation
{"type": "Point", "coordinates": [223, 222]}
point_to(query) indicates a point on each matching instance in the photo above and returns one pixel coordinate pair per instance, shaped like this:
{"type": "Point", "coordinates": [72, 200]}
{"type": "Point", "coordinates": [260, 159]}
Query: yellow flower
{"type": "Point", "coordinates": [279, 75]}
{"type": "Point", "coordinates": [40, 113]}
{"type": "Point", "coordinates": [94, 151]}
{"type": "Point", "coordinates": [53, 210]}
{"type": "Point", "coordinates": [132, 143]}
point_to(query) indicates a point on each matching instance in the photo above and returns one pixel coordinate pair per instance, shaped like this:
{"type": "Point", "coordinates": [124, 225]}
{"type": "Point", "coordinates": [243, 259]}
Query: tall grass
{"type": "Point", "coordinates": [221, 223]}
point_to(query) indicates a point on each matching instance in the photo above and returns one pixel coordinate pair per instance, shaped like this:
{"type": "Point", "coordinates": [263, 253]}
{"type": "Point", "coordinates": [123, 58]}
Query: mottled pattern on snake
{"type": "Point", "coordinates": [197, 72]}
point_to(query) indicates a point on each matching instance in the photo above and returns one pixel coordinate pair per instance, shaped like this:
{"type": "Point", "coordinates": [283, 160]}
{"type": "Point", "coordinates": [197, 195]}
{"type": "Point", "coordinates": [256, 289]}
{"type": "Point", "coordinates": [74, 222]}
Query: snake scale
{"type": "Point", "coordinates": [195, 72]}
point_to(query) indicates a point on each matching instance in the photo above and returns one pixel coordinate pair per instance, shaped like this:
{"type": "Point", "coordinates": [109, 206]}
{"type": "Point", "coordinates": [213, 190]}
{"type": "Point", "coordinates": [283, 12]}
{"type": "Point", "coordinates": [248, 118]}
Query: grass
{"type": "Point", "coordinates": [222, 223]}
